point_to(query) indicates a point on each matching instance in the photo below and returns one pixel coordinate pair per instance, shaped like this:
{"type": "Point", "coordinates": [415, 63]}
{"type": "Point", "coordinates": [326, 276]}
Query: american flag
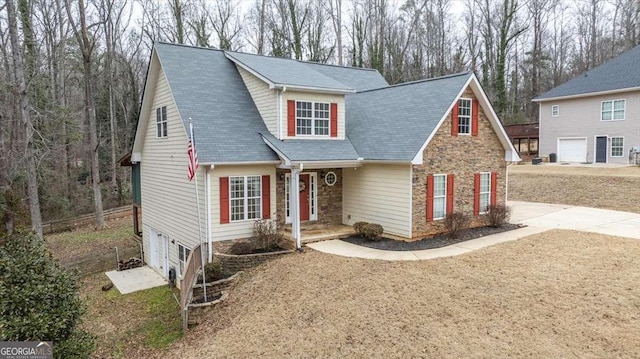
{"type": "Point", "coordinates": [193, 158]}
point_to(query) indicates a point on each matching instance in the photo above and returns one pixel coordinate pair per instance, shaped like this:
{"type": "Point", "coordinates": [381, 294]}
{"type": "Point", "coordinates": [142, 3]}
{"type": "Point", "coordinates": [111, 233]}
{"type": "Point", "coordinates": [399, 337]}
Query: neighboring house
{"type": "Point", "coordinates": [304, 142]}
{"type": "Point", "coordinates": [594, 117]}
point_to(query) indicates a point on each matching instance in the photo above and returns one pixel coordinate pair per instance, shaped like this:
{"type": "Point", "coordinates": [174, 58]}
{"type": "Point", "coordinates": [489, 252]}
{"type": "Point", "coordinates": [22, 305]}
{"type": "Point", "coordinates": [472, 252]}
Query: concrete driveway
{"type": "Point", "coordinates": [538, 217]}
{"type": "Point", "coordinates": [557, 216]}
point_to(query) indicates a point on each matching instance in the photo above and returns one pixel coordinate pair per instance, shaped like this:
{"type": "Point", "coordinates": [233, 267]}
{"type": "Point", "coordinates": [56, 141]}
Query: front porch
{"type": "Point", "coordinates": [315, 232]}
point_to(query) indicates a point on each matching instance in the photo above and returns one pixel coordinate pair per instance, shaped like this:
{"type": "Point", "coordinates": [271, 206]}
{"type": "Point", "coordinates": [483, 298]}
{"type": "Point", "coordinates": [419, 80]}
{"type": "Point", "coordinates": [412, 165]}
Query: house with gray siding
{"type": "Point", "coordinates": [594, 117]}
{"type": "Point", "coordinates": [306, 144]}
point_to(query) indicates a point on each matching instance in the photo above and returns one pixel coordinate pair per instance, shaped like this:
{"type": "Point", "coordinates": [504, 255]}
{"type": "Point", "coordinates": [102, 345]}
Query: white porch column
{"type": "Point", "coordinates": [294, 204]}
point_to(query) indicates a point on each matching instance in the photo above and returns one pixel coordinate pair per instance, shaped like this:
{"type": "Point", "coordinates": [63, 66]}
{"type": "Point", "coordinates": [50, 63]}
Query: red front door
{"type": "Point", "coordinates": [305, 184]}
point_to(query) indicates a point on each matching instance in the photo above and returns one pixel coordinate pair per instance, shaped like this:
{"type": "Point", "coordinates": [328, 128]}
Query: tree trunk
{"type": "Point", "coordinates": [23, 102]}
{"type": "Point", "coordinates": [87, 47]}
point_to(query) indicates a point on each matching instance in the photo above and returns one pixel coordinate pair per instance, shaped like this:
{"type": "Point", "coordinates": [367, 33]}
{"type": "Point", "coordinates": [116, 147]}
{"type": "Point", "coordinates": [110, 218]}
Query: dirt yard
{"type": "Point", "coordinates": [86, 240]}
{"type": "Point", "coordinates": [616, 188]}
{"type": "Point", "coordinates": [554, 295]}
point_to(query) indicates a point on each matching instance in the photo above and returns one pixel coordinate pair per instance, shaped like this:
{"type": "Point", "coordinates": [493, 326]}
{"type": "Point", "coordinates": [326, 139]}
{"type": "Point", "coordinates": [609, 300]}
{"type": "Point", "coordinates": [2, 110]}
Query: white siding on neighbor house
{"type": "Point", "coordinates": [315, 97]}
{"type": "Point", "coordinates": [168, 198]}
{"type": "Point", "coordinates": [265, 99]}
{"type": "Point", "coordinates": [239, 229]}
{"type": "Point", "coordinates": [580, 117]}
{"type": "Point", "coordinates": [378, 194]}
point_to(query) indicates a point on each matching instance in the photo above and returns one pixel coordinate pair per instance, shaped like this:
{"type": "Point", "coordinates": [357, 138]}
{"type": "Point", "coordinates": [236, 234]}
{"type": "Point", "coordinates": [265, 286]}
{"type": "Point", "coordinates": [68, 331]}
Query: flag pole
{"type": "Point", "coordinates": [195, 175]}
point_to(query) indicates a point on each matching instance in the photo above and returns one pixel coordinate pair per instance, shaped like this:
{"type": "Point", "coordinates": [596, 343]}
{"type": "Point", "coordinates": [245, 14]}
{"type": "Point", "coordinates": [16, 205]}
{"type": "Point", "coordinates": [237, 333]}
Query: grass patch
{"type": "Point", "coordinates": [165, 323]}
{"type": "Point", "coordinates": [129, 325]}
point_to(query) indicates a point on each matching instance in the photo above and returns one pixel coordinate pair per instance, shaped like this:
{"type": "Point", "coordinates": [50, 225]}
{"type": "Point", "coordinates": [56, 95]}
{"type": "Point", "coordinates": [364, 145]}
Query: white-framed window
{"type": "Point", "coordinates": [245, 197]}
{"type": "Point", "coordinates": [555, 110]}
{"type": "Point", "coordinates": [183, 255]}
{"type": "Point", "coordinates": [161, 122]}
{"type": "Point", "coordinates": [613, 110]}
{"type": "Point", "coordinates": [617, 146]}
{"type": "Point", "coordinates": [485, 191]}
{"type": "Point", "coordinates": [464, 116]}
{"type": "Point", "coordinates": [312, 118]}
{"type": "Point", "coordinates": [439, 196]}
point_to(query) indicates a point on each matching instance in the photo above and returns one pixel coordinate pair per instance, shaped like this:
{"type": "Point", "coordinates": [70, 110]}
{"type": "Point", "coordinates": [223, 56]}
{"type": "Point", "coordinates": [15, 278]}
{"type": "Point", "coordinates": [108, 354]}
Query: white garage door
{"type": "Point", "coordinates": [572, 150]}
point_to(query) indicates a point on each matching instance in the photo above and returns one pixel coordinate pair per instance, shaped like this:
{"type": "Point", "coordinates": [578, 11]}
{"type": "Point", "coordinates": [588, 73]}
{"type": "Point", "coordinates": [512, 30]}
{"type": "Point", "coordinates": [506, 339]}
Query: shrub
{"type": "Point", "coordinates": [359, 228]}
{"type": "Point", "coordinates": [240, 248]}
{"type": "Point", "coordinates": [454, 222]}
{"type": "Point", "coordinates": [498, 215]}
{"type": "Point", "coordinates": [214, 271]}
{"type": "Point", "coordinates": [267, 234]}
{"type": "Point", "coordinates": [373, 231]}
{"type": "Point", "coordinates": [39, 300]}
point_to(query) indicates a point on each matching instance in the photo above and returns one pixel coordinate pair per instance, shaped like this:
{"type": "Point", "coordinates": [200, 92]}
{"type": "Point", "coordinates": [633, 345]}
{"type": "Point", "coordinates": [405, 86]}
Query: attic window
{"type": "Point", "coordinates": [464, 116]}
{"type": "Point", "coordinates": [555, 110]}
{"type": "Point", "coordinates": [161, 122]}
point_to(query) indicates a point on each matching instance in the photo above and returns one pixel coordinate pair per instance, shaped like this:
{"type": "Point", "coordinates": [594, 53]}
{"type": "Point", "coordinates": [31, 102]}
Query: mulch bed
{"type": "Point", "coordinates": [438, 241]}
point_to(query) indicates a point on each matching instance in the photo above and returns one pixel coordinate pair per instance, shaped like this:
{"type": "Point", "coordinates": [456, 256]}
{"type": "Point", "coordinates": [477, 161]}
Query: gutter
{"type": "Point", "coordinates": [587, 94]}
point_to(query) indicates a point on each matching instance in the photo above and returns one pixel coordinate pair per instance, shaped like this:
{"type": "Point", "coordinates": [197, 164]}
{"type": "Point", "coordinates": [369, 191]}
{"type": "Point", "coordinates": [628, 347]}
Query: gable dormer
{"type": "Point", "coordinates": [294, 100]}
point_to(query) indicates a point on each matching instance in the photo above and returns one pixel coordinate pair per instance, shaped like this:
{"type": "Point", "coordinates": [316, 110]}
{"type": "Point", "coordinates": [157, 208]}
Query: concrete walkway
{"type": "Point", "coordinates": [539, 217]}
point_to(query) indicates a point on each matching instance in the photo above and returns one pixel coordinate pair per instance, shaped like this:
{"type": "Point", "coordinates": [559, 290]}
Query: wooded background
{"type": "Point", "coordinates": [73, 71]}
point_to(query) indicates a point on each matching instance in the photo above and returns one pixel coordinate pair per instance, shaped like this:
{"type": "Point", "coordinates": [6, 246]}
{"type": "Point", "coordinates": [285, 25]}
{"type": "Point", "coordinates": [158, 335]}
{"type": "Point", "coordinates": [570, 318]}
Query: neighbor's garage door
{"type": "Point", "coordinates": [572, 150]}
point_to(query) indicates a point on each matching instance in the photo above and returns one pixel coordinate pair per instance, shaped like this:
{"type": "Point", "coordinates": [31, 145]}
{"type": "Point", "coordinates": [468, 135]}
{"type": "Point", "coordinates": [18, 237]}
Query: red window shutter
{"type": "Point", "coordinates": [474, 117]}
{"type": "Point", "coordinates": [494, 187]}
{"type": "Point", "coordinates": [224, 199]}
{"type": "Point", "coordinates": [266, 197]}
{"type": "Point", "coordinates": [334, 120]}
{"type": "Point", "coordinates": [450, 193]}
{"type": "Point", "coordinates": [429, 198]}
{"type": "Point", "coordinates": [291, 117]}
{"type": "Point", "coordinates": [476, 194]}
{"type": "Point", "coordinates": [454, 119]}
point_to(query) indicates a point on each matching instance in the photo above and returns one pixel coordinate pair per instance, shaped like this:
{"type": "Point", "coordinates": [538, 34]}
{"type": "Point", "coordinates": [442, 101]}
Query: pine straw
{"type": "Point", "coordinates": [601, 187]}
{"type": "Point", "coordinates": [556, 294]}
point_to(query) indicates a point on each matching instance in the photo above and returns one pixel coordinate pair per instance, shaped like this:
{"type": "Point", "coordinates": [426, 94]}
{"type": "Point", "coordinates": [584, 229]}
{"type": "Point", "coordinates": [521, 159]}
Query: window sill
{"type": "Point", "coordinates": [601, 120]}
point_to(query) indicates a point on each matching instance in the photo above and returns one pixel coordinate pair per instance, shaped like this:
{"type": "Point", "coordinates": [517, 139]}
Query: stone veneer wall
{"type": "Point", "coordinates": [329, 197]}
{"type": "Point", "coordinates": [461, 156]}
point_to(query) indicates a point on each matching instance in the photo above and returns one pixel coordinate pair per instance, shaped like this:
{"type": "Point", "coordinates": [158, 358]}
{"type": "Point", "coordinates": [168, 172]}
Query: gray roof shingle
{"type": "Point", "coordinates": [314, 150]}
{"type": "Point", "coordinates": [359, 79]}
{"type": "Point", "coordinates": [388, 123]}
{"type": "Point", "coordinates": [208, 89]}
{"type": "Point", "coordinates": [288, 72]}
{"type": "Point", "coordinates": [393, 123]}
{"type": "Point", "coordinates": [621, 72]}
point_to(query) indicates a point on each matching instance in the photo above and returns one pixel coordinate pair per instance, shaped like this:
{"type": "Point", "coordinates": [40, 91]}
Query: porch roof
{"type": "Point", "coordinates": [312, 150]}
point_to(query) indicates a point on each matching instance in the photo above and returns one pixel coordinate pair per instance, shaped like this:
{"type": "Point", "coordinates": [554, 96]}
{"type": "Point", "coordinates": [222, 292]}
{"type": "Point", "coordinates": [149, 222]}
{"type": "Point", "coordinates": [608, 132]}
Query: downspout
{"type": "Point", "coordinates": [280, 109]}
{"type": "Point", "coordinates": [506, 184]}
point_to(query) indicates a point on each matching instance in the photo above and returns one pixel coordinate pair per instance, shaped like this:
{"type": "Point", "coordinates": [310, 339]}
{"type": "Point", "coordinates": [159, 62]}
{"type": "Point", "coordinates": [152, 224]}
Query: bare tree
{"type": "Point", "coordinates": [20, 91]}
{"type": "Point", "coordinates": [87, 42]}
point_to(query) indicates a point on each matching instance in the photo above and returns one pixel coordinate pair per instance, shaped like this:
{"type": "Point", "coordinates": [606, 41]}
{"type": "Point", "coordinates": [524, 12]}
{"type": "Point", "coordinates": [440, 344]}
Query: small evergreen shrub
{"type": "Point", "coordinates": [214, 271]}
{"type": "Point", "coordinates": [373, 231]}
{"type": "Point", "coordinates": [359, 228]}
{"type": "Point", "coordinates": [454, 222]}
{"type": "Point", "coordinates": [498, 215]}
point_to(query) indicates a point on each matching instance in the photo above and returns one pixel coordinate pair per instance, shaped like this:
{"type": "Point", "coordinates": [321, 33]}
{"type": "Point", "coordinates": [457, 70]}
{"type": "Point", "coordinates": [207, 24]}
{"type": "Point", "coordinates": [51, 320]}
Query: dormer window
{"type": "Point", "coordinates": [312, 118]}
